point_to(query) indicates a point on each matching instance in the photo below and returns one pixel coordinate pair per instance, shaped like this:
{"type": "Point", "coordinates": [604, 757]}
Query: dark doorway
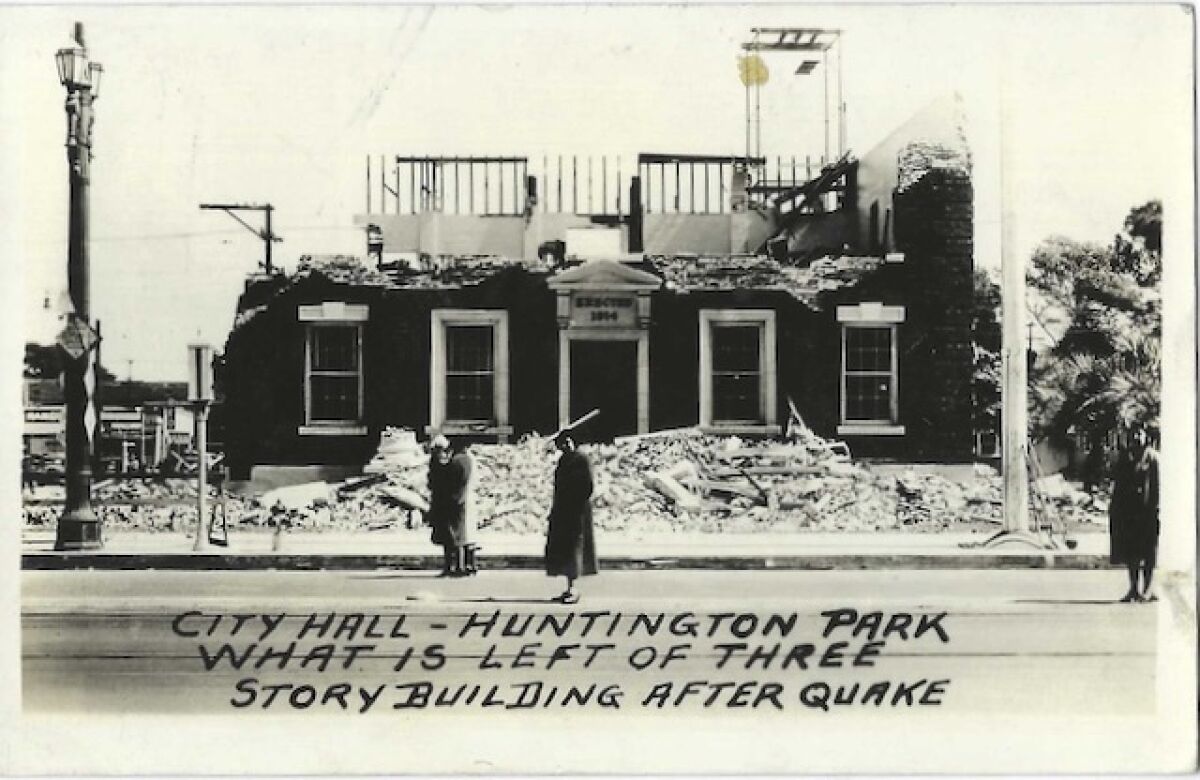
{"type": "Point", "coordinates": [604, 377]}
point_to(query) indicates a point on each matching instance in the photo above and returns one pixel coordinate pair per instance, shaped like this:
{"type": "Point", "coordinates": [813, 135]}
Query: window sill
{"type": "Point", "coordinates": [333, 429]}
{"type": "Point", "coordinates": [870, 429]}
{"type": "Point", "coordinates": [451, 428]}
{"type": "Point", "coordinates": [719, 429]}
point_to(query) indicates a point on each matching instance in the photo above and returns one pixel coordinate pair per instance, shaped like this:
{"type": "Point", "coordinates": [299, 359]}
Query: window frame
{"type": "Point", "coordinates": [891, 374]}
{"type": "Point", "coordinates": [447, 373]}
{"type": "Point", "coordinates": [341, 426]}
{"type": "Point", "coordinates": [767, 371]}
{"type": "Point", "coordinates": [440, 321]}
{"type": "Point", "coordinates": [878, 316]}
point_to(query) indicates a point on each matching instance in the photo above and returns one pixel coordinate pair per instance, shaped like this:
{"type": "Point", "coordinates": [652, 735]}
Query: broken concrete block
{"type": "Point", "coordinates": [671, 488]}
{"type": "Point", "coordinates": [403, 497]}
{"type": "Point", "coordinates": [297, 497]}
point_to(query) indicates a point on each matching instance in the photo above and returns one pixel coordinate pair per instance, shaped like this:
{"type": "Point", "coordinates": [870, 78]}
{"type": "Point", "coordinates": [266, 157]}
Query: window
{"type": "Point", "coordinates": [868, 375]}
{"type": "Point", "coordinates": [469, 380]}
{"type": "Point", "coordinates": [470, 373]}
{"type": "Point", "coordinates": [869, 396]}
{"type": "Point", "coordinates": [736, 375]}
{"type": "Point", "coordinates": [334, 374]}
{"type": "Point", "coordinates": [737, 369]}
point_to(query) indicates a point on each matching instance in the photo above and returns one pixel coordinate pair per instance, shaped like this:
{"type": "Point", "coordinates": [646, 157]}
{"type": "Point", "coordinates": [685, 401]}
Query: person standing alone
{"type": "Point", "coordinates": [1133, 513]}
{"type": "Point", "coordinates": [450, 507]}
{"type": "Point", "coordinates": [570, 544]}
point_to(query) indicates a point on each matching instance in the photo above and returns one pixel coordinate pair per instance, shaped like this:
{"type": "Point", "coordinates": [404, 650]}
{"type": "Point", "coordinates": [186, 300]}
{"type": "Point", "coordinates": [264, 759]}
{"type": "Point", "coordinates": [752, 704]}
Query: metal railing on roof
{"type": "Point", "coordinates": [593, 185]}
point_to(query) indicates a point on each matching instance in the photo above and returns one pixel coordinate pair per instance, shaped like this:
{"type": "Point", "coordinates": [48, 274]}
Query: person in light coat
{"type": "Point", "coordinates": [451, 506]}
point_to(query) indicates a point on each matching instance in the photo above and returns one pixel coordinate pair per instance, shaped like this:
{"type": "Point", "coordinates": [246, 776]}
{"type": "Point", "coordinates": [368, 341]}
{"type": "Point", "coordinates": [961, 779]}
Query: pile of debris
{"type": "Point", "coordinates": [804, 282]}
{"type": "Point", "coordinates": [681, 480]}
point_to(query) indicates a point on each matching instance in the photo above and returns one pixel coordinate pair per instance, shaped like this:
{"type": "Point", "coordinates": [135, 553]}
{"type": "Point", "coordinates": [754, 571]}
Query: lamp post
{"type": "Point", "coordinates": [78, 528]}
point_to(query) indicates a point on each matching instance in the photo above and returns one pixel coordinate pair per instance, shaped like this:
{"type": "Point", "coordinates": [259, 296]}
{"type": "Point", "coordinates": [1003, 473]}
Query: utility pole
{"type": "Point", "coordinates": [268, 237]}
{"type": "Point", "coordinates": [1014, 392]}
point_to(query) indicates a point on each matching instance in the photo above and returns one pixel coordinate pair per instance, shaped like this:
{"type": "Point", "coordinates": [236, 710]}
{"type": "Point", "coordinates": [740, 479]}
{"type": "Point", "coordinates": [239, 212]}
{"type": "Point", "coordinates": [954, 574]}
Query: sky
{"type": "Point", "coordinates": [283, 104]}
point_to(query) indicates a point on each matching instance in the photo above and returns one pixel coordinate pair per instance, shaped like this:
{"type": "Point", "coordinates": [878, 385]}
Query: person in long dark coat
{"type": "Point", "coordinates": [570, 543]}
{"type": "Point", "coordinates": [449, 505]}
{"type": "Point", "coordinates": [1133, 514]}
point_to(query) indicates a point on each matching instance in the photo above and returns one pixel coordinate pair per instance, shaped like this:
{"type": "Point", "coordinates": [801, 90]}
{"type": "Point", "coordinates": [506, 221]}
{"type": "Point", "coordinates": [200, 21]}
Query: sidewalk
{"type": "Point", "coordinates": [412, 550]}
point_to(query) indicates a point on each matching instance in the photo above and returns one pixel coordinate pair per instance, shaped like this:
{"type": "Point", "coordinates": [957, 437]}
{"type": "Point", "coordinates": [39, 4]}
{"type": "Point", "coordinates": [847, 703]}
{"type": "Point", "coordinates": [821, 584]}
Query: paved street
{"type": "Point", "coordinates": [382, 641]}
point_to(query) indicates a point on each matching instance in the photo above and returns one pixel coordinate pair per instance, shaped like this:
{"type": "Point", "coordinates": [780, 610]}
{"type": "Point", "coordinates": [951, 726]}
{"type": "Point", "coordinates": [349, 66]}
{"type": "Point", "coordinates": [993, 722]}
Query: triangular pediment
{"type": "Point", "coordinates": [604, 275]}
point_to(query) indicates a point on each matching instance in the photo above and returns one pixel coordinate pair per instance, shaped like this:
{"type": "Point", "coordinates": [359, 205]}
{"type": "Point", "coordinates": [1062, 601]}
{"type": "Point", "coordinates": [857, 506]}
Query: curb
{"type": "Point", "coordinates": [50, 561]}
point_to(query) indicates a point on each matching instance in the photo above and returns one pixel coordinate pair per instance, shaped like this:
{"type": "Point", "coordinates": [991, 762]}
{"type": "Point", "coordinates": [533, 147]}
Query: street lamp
{"type": "Point", "coordinates": [78, 528]}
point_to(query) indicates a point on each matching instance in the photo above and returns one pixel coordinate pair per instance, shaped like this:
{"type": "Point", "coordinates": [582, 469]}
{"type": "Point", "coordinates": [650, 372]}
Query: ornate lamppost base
{"type": "Point", "coordinates": [78, 531]}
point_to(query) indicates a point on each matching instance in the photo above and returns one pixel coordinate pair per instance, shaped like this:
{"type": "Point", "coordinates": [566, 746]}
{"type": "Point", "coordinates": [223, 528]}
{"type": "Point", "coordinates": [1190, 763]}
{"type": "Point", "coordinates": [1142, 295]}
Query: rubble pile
{"type": "Point", "coordinates": [681, 480]}
{"type": "Point", "coordinates": [805, 283]}
{"type": "Point", "coordinates": [165, 505]}
{"type": "Point", "coordinates": [918, 158]}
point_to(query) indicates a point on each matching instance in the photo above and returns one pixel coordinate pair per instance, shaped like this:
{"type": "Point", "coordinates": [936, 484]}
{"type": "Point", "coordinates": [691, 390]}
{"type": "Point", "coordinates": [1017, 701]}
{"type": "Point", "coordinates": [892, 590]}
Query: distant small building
{"type": "Point", "coordinates": [138, 420]}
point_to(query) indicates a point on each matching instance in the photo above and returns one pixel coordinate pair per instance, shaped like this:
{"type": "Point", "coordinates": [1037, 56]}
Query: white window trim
{"type": "Point", "coordinates": [337, 312]}
{"type": "Point", "coordinates": [871, 427]}
{"type": "Point", "coordinates": [871, 313]}
{"type": "Point", "coordinates": [440, 319]}
{"type": "Point", "coordinates": [765, 318]}
{"type": "Point", "coordinates": [313, 427]}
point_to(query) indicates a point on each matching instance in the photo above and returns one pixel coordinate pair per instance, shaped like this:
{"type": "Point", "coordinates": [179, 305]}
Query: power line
{"type": "Point", "coordinates": [204, 233]}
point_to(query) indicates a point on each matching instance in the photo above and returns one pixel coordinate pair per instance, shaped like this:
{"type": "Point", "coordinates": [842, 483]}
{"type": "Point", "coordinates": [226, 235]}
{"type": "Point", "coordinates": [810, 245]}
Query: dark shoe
{"type": "Point", "coordinates": [569, 597]}
{"type": "Point", "coordinates": [1129, 598]}
{"type": "Point", "coordinates": [456, 573]}
{"type": "Point", "coordinates": [1148, 598]}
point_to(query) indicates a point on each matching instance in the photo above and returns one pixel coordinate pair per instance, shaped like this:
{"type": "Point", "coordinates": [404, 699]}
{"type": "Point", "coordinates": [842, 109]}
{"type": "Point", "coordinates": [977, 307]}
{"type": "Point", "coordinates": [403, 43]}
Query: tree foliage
{"type": "Point", "coordinates": [985, 331]}
{"type": "Point", "coordinates": [44, 361]}
{"type": "Point", "coordinates": [1101, 313]}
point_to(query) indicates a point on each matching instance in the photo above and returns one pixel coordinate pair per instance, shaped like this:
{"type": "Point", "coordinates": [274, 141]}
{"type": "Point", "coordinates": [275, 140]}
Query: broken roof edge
{"type": "Point", "coordinates": [680, 273]}
{"type": "Point", "coordinates": [810, 284]}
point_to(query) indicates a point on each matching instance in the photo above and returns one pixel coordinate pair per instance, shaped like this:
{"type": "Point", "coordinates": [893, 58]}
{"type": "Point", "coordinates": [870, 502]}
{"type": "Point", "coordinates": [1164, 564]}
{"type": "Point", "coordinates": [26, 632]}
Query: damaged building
{"type": "Point", "coordinates": [722, 293]}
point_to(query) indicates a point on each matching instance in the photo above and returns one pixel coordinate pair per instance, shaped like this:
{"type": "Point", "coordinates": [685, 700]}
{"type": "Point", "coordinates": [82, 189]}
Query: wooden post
{"type": "Point", "coordinates": [678, 190]}
{"type": "Point", "coordinates": [604, 183]}
{"type": "Point", "coordinates": [662, 187]}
